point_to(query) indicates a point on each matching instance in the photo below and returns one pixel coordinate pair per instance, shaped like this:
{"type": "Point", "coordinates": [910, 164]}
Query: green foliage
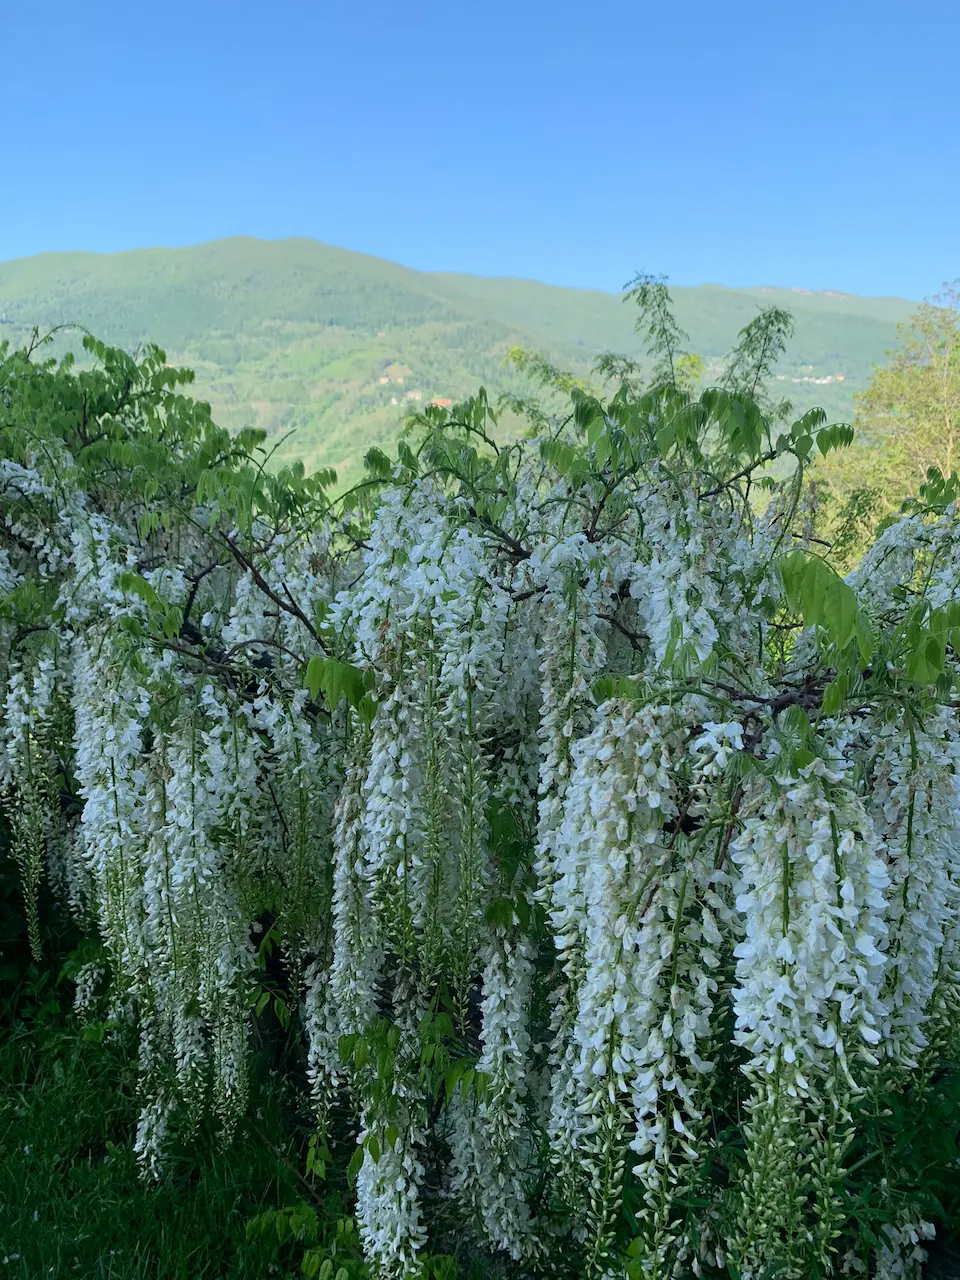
{"type": "Point", "coordinates": [760, 348]}
{"type": "Point", "coordinates": [912, 404]}
{"type": "Point", "coordinates": [657, 321]}
{"type": "Point", "coordinates": [819, 595]}
{"type": "Point", "coordinates": [338, 681]}
{"type": "Point", "coordinates": [331, 1250]}
{"type": "Point", "coordinates": [908, 423]}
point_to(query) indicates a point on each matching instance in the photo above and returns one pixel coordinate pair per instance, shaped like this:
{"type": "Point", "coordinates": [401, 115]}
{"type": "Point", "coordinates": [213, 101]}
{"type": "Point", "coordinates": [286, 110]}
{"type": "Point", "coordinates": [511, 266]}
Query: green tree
{"type": "Point", "coordinates": [908, 423]}
{"type": "Point", "coordinates": [913, 402]}
{"type": "Point", "coordinates": [909, 415]}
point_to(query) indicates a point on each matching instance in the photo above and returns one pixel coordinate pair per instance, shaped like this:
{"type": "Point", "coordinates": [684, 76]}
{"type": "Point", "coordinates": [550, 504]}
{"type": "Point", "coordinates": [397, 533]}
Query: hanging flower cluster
{"type": "Point", "coordinates": [601, 841]}
{"type": "Point", "coordinates": [809, 997]}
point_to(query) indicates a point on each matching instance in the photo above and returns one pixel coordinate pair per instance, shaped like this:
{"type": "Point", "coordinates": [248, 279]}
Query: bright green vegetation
{"type": "Point", "coordinates": [909, 415]}
{"type": "Point", "coordinates": [71, 1201]}
{"type": "Point", "coordinates": [293, 334]}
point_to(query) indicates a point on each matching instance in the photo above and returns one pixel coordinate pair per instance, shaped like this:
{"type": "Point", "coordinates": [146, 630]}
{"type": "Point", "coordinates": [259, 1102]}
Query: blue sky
{"type": "Point", "coordinates": [812, 144]}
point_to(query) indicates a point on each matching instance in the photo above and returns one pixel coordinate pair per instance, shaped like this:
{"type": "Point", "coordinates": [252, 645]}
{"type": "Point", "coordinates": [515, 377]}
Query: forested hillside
{"type": "Point", "coordinates": [294, 334]}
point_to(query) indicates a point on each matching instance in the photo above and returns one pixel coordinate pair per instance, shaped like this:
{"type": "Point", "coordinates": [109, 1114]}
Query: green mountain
{"type": "Point", "coordinates": [337, 346]}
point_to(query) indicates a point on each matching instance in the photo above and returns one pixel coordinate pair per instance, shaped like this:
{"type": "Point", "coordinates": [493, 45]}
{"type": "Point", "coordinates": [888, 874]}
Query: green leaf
{"type": "Point", "coordinates": [453, 1078]}
{"type": "Point", "coordinates": [833, 696]}
{"type": "Point", "coordinates": [500, 913]}
{"type": "Point", "coordinates": [335, 680]}
{"type": "Point", "coordinates": [926, 654]}
{"type": "Point", "coordinates": [367, 709]}
{"type": "Point", "coordinates": [792, 567]}
{"type": "Point", "coordinates": [813, 590]}
{"type": "Point", "coordinates": [866, 641]}
{"type": "Point", "coordinates": [345, 1046]}
{"type": "Point", "coordinates": [588, 415]}
{"type": "Point", "coordinates": [666, 439]}
{"type": "Point", "coordinates": [559, 455]}
{"type": "Point", "coordinates": [313, 677]}
{"type": "Point", "coordinates": [939, 622]}
{"type": "Point", "coordinates": [796, 721]}
{"type": "Point", "coordinates": [595, 429]}
{"type": "Point", "coordinates": [310, 1266]}
{"type": "Point", "coordinates": [133, 584]}
{"type": "Point", "coordinates": [934, 652]}
{"type": "Point", "coordinates": [822, 598]}
{"type": "Point", "coordinates": [808, 423]}
{"type": "Point", "coordinates": [839, 611]}
{"type": "Point", "coordinates": [838, 436]}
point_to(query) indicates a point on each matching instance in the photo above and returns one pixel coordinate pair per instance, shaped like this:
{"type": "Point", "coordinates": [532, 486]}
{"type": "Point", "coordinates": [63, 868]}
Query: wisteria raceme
{"type": "Point", "coordinates": [809, 1000]}
{"type": "Point", "coordinates": [388, 1201]}
{"type": "Point", "coordinates": [26, 780]}
{"type": "Point", "coordinates": [914, 800]}
{"type": "Point", "coordinates": [595, 842]}
{"type": "Point", "coordinates": [810, 969]}
{"type": "Point", "coordinates": [573, 651]}
{"type": "Point", "coordinates": [647, 906]}
{"type": "Point", "coordinates": [490, 1137]}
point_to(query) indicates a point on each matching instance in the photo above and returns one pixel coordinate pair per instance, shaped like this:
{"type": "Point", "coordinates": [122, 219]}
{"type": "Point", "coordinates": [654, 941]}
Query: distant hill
{"type": "Point", "coordinates": [296, 334]}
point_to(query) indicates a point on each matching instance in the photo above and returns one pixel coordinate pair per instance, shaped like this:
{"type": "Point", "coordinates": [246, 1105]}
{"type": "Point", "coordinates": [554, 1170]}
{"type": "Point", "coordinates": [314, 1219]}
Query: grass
{"type": "Point", "coordinates": [71, 1200]}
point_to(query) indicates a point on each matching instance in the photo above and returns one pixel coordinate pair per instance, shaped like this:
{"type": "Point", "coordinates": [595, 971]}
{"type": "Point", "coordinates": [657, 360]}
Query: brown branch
{"type": "Point", "coordinates": [637, 638]}
{"type": "Point", "coordinates": [288, 606]}
{"type": "Point", "coordinates": [516, 549]}
{"type": "Point", "coordinates": [273, 644]}
{"type": "Point", "coordinates": [591, 530]}
{"type": "Point", "coordinates": [529, 593]}
{"type": "Point", "coordinates": [740, 475]}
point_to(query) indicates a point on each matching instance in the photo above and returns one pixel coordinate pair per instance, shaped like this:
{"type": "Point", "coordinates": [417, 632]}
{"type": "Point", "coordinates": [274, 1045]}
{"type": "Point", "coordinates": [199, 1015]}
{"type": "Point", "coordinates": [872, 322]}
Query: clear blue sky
{"type": "Point", "coordinates": [811, 143]}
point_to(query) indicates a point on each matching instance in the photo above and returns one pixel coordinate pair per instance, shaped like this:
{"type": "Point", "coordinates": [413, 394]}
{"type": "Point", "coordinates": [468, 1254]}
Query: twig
{"type": "Point", "coordinates": [740, 475]}
{"type": "Point", "coordinates": [637, 638]}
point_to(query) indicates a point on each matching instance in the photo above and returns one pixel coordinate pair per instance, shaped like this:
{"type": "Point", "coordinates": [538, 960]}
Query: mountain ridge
{"type": "Point", "coordinates": [295, 335]}
{"type": "Point", "coordinates": [426, 271]}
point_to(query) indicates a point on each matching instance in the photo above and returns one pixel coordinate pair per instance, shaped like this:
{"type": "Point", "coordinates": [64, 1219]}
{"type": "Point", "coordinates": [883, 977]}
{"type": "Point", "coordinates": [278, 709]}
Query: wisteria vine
{"type": "Point", "coordinates": [608, 838]}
